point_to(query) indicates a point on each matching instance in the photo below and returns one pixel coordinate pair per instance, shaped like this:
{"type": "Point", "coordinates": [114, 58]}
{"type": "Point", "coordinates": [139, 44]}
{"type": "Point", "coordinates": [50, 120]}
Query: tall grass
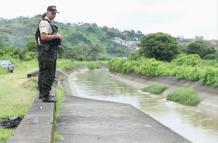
{"type": "Point", "coordinates": [155, 88]}
{"type": "Point", "coordinates": [186, 96]}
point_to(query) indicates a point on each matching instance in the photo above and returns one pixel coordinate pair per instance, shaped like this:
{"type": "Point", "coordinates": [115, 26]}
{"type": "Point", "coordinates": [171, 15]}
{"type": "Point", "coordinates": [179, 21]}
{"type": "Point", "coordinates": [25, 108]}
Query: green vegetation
{"type": "Point", "coordinates": [27, 53]}
{"type": "Point", "coordinates": [2, 71]}
{"type": "Point", "coordinates": [5, 134]}
{"type": "Point", "coordinates": [155, 88]}
{"type": "Point", "coordinates": [16, 103]}
{"type": "Point", "coordinates": [56, 137]}
{"type": "Point", "coordinates": [20, 101]}
{"type": "Point", "coordinates": [183, 68]}
{"type": "Point", "coordinates": [70, 64]}
{"type": "Point", "coordinates": [186, 96]}
{"type": "Point", "coordinates": [160, 46]}
{"type": "Point", "coordinates": [212, 56]}
{"type": "Point", "coordinates": [26, 89]}
{"type": "Point", "coordinates": [200, 47]}
{"type": "Point", "coordinates": [82, 41]}
{"type": "Point", "coordinates": [59, 98]}
{"type": "Point", "coordinates": [187, 60]}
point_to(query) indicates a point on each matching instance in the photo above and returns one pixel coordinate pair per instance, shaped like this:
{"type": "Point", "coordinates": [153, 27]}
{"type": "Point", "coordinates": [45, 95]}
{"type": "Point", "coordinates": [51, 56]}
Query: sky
{"type": "Point", "coordinates": [187, 18]}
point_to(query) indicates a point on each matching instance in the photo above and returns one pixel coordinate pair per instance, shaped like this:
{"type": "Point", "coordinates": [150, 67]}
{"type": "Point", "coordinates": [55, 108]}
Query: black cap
{"type": "Point", "coordinates": [52, 8]}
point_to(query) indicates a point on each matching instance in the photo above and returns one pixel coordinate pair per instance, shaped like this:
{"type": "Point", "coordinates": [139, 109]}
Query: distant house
{"type": "Point", "coordinates": [199, 37]}
{"type": "Point", "coordinates": [214, 42]}
{"type": "Point", "coordinates": [132, 45]}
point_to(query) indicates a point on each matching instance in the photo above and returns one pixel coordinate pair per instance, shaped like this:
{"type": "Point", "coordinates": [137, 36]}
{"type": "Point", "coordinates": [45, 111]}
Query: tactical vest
{"type": "Point", "coordinates": [53, 43]}
{"type": "Point", "coordinates": [47, 50]}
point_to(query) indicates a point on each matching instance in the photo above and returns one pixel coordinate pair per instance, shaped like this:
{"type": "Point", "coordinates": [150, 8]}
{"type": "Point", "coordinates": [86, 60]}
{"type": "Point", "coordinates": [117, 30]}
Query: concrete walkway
{"type": "Point", "coordinates": [93, 121]}
{"type": "Point", "coordinates": [38, 125]}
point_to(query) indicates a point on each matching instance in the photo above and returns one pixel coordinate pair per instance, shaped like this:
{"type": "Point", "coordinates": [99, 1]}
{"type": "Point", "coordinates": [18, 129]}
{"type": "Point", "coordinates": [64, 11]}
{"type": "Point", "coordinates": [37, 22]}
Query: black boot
{"type": "Point", "coordinates": [49, 99]}
{"type": "Point", "coordinates": [41, 96]}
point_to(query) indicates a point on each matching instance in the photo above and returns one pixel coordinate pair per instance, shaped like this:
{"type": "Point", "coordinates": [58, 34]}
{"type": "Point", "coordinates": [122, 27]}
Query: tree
{"type": "Point", "coordinates": [200, 47]}
{"type": "Point", "coordinates": [95, 52]}
{"type": "Point", "coordinates": [84, 52]}
{"type": "Point", "coordinates": [2, 52]}
{"type": "Point", "coordinates": [29, 52]}
{"type": "Point", "coordinates": [11, 52]}
{"type": "Point", "coordinates": [212, 56]}
{"type": "Point", "coordinates": [160, 46]}
{"type": "Point", "coordinates": [31, 46]}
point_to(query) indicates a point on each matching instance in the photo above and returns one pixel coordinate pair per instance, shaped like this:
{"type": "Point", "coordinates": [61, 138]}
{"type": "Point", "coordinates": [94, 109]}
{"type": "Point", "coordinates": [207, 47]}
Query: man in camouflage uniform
{"type": "Point", "coordinates": [48, 41]}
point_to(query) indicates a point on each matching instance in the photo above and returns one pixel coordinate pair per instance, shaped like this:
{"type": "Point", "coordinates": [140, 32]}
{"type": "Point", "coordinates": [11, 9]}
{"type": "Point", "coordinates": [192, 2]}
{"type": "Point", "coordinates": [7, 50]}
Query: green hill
{"type": "Point", "coordinates": [19, 31]}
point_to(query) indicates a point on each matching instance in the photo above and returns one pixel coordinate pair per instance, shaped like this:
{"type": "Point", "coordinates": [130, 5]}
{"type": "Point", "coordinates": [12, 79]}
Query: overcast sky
{"type": "Point", "coordinates": [177, 17]}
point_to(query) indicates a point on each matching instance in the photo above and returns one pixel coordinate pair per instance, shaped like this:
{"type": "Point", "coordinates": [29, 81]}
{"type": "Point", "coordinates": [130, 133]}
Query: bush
{"type": "Point", "coordinates": [186, 96]}
{"type": "Point", "coordinates": [210, 76]}
{"type": "Point", "coordinates": [70, 64]}
{"type": "Point", "coordinates": [115, 64]}
{"type": "Point", "coordinates": [188, 73]}
{"type": "Point", "coordinates": [188, 60]}
{"type": "Point", "coordinates": [148, 67]}
{"type": "Point", "coordinates": [93, 65]}
{"type": "Point", "coordinates": [135, 56]}
{"type": "Point", "coordinates": [204, 71]}
{"type": "Point", "coordinates": [66, 64]}
{"type": "Point", "coordinates": [155, 88]}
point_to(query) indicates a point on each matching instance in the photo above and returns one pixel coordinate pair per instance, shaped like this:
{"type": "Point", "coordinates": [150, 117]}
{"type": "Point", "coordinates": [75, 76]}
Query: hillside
{"type": "Point", "coordinates": [19, 31]}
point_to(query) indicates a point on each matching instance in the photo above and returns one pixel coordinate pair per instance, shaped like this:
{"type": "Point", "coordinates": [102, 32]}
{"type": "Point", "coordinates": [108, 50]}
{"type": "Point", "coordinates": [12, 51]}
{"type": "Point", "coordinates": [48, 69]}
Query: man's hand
{"type": "Point", "coordinates": [59, 36]}
{"type": "Point", "coordinates": [47, 37]}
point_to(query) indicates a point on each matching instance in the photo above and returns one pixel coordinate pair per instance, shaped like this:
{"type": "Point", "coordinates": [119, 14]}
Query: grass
{"type": "Point", "coordinates": [2, 71]}
{"type": "Point", "coordinates": [57, 137]}
{"type": "Point", "coordinates": [5, 134]}
{"type": "Point", "coordinates": [155, 88]}
{"type": "Point", "coordinates": [59, 97]}
{"type": "Point", "coordinates": [16, 94]}
{"type": "Point", "coordinates": [70, 64]}
{"type": "Point", "coordinates": [186, 96]}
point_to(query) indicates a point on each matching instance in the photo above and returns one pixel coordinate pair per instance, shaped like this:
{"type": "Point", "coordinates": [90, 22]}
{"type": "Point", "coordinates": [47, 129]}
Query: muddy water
{"type": "Point", "coordinates": [186, 121]}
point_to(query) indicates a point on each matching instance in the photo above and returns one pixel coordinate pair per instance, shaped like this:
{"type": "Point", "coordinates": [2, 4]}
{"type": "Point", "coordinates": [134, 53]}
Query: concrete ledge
{"type": "Point", "coordinates": [37, 126]}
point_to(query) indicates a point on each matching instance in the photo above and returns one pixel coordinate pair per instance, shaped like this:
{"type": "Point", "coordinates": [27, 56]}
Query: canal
{"type": "Point", "coordinates": [185, 120]}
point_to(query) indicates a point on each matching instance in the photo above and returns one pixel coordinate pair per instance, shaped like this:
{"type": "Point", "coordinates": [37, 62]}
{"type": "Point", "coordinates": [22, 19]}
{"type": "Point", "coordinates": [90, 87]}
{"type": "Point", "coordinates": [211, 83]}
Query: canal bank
{"type": "Point", "coordinates": [208, 95]}
{"type": "Point", "coordinates": [89, 120]}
